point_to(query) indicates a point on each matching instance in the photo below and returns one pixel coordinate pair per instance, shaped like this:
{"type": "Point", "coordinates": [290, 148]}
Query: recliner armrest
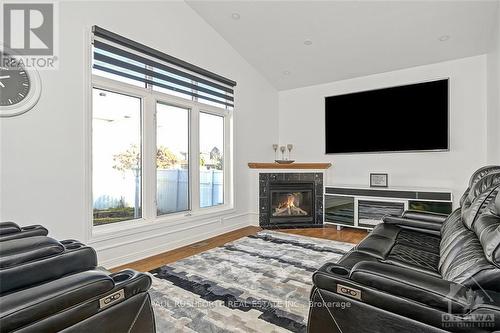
{"type": "Point", "coordinates": [410, 284]}
{"type": "Point", "coordinates": [425, 216]}
{"type": "Point", "coordinates": [87, 291]}
{"type": "Point", "coordinates": [329, 275]}
{"type": "Point", "coordinates": [40, 301]}
{"type": "Point", "coordinates": [414, 224]}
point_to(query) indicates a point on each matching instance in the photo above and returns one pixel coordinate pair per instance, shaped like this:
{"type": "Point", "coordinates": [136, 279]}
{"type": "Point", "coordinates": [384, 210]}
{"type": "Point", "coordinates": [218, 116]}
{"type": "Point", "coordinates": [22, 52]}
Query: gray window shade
{"type": "Point", "coordinates": [121, 56]}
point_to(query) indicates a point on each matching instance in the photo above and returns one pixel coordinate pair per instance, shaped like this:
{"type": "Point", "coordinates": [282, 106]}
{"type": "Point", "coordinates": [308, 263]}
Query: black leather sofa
{"type": "Point", "coordinates": [52, 286]}
{"type": "Point", "coordinates": [419, 272]}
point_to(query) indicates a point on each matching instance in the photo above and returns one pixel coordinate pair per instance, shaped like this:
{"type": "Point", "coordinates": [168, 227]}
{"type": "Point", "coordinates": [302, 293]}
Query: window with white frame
{"type": "Point", "coordinates": [160, 134]}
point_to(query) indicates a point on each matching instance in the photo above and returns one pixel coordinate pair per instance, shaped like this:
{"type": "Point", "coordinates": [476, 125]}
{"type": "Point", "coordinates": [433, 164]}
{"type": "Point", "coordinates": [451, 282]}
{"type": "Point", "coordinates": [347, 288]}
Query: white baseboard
{"type": "Point", "coordinates": [254, 219]}
{"type": "Point", "coordinates": [238, 222]}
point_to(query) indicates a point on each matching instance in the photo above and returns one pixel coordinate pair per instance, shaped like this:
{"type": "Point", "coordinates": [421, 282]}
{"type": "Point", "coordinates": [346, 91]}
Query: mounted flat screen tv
{"type": "Point", "coordinates": [398, 119]}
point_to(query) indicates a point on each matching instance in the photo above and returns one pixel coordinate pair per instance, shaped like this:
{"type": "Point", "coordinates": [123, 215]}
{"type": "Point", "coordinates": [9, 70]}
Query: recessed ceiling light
{"type": "Point", "coordinates": [286, 73]}
{"type": "Point", "coordinates": [444, 38]}
{"type": "Point", "coordinates": [308, 42]}
{"type": "Point", "coordinates": [235, 16]}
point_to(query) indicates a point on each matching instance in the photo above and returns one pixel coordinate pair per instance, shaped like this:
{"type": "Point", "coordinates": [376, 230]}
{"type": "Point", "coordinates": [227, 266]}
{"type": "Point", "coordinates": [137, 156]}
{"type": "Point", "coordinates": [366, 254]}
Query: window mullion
{"type": "Point", "coordinates": [149, 157]}
{"type": "Point", "coordinates": [228, 160]}
{"type": "Point", "coordinates": [194, 162]}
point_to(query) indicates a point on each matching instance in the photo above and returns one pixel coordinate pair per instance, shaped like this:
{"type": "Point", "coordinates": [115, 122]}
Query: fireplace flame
{"type": "Point", "coordinates": [288, 207]}
{"type": "Point", "coordinates": [289, 203]}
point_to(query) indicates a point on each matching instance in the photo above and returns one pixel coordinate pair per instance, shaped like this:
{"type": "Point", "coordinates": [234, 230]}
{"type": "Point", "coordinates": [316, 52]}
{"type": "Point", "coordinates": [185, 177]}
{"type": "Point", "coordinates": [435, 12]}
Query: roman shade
{"type": "Point", "coordinates": [118, 55]}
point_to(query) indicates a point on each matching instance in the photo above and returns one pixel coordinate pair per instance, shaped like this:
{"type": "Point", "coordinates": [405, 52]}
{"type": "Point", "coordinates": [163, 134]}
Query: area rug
{"type": "Point", "coordinates": [258, 284]}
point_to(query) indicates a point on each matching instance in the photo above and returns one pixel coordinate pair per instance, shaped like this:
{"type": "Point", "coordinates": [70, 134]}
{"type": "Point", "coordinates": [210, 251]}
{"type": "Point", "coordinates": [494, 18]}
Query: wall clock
{"type": "Point", "coordinates": [20, 88]}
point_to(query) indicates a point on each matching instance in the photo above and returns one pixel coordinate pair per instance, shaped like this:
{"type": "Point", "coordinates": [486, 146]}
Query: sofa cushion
{"type": "Point", "coordinates": [464, 256]}
{"type": "Point", "coordinates": [487, 229]}
{"type": "Point", "coordinates": [408, 237]}
{"type": "Point", "coordinates": [417, 259]}
{"type": "Point", "coordinates": [479, 196]}
{"type": "Point", "coordinates": [466, 263]}
{"type": "Point", "coordinates": [427, 242]}
{"type": "Point", "coordinates": [398, 246]}
{"type": "Point", "coordinates": [477, 176]}
{"type": "Point", "coordinates": [451, 232]}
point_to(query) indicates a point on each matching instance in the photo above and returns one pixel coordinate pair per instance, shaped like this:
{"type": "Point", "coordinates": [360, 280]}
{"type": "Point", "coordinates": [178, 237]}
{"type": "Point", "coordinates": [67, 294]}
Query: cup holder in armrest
{"type": "Point", "coordinates": [69, 241]}
{"type": "Point", "coordinates": [29, 227]}
{"type": "Point", "coordinates": [73, 246]}
{"type": "Point", "coordinates": [122, 276]}
{"type": "Point", "coordinates": [338, 270]}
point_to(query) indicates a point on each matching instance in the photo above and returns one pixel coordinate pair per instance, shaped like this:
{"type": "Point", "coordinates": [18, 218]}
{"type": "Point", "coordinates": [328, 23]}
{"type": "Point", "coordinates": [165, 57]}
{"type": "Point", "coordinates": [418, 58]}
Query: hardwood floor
{"type": "Point", "coordinates": [164, 258]}
{"type": "Point", "coordinates": [327, 232]}
{"type": "Point", "coordinates": [348, 235]}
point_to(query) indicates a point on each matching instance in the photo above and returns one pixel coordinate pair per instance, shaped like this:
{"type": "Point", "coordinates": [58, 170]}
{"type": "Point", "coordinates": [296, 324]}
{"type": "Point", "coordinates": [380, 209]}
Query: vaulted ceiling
{"type": "Point", "coordinates": [300, 43]}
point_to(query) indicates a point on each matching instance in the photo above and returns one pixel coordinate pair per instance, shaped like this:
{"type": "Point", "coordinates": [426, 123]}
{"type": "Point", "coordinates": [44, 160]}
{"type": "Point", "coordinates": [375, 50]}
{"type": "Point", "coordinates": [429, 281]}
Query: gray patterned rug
{"type": "Point", "coordinates": [255, 284]}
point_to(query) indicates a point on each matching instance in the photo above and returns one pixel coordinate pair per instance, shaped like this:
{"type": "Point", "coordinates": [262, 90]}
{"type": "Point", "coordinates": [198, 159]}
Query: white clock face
{"type": "Point", "coordinates": [19, 90]}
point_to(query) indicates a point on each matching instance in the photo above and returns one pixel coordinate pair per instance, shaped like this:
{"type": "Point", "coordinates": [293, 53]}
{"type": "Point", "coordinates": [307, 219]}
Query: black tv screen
{"type": "Point", "coordinates": [406, 118]}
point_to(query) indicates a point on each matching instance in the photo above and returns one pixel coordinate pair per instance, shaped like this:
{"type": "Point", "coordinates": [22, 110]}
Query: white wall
{"type": "Point", "coordinates": [493, 69]}
{"type": "Point", "coordinates": [301, 122]}
{"type": "Point", "coordinates": [42, 152]}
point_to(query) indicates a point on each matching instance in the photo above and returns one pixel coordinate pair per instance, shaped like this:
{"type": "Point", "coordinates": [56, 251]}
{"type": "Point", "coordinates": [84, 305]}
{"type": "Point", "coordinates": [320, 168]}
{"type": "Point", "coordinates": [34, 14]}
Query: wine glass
{"type": "Point", "coordinates": [283, 148]}
{"type": "Point", "coordinates": [275, 147]}
{"type": "Point", "coordinates": [289, 147]}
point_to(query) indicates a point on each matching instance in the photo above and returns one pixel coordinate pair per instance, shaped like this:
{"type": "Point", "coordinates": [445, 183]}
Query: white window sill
{"type": "Point", "coordinates": [134, 227]}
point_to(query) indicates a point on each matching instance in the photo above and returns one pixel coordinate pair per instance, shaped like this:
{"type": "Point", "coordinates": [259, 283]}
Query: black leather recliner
{"type": "Point", "coordinates": [420, 272]}
{"type": "Point", "coordinates": [52, 286]}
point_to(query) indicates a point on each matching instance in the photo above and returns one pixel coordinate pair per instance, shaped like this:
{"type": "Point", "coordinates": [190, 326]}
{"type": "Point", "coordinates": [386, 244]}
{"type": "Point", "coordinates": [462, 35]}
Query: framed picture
{"type": "Point", "coordinates": [379, 180]}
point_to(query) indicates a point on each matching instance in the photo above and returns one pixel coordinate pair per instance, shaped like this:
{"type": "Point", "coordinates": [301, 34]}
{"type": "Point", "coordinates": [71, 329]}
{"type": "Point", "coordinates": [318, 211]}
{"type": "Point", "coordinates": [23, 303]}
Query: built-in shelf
{"type": "Point", "coordinates": [364, 207]}
{"type": "Point", "coordinates": [315, 166]}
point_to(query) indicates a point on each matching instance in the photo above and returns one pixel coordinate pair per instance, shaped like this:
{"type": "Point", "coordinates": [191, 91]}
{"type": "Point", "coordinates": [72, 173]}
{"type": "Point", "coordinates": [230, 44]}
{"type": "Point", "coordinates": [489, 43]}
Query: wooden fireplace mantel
{"type": "Point", "coordinates": [274, 165]}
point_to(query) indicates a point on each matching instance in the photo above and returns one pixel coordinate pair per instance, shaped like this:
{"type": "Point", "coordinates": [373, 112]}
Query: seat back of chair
{"type": "Point", "coordinates": [470, 238]}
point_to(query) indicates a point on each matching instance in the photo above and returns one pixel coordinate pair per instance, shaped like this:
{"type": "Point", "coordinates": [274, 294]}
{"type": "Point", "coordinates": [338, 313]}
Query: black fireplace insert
{"type": "Point", "coordinates": [289, 200]}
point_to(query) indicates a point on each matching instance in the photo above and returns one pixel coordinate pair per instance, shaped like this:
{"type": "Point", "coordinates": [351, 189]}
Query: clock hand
{"type": "Point", "coordinates": [5, 77]}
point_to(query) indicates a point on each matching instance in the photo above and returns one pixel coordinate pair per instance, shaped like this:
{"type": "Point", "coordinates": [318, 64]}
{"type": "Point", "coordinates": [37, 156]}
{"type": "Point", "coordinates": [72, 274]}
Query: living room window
{"type": "Point", "coordinates": [116, 156]}
{"type": "Point", "coordinates": [172, 159]}
{"type": "Point", "coordinates": [211, 160]}
{"type": "Point", "coordinates": [160, 134]}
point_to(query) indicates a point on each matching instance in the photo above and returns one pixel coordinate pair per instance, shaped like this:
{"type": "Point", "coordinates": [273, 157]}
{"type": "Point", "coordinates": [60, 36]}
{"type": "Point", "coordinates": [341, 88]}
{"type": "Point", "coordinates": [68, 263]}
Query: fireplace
{"type": "Point", "coordinates": [291, 200]}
